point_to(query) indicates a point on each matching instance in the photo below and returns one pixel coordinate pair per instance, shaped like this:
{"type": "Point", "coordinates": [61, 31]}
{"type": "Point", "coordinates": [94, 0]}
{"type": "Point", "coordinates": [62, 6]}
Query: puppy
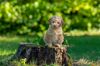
{"type": "Point", "coordinates": [54, 35]}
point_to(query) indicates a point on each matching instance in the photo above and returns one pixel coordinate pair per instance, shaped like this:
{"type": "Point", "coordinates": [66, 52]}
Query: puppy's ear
{"type": "Point", "coordinates": [62, 22]}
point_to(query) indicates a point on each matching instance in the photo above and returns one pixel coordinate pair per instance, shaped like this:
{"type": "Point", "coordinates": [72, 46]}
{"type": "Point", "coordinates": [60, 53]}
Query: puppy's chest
{"type": "Point", "coordinates": [56, 35]}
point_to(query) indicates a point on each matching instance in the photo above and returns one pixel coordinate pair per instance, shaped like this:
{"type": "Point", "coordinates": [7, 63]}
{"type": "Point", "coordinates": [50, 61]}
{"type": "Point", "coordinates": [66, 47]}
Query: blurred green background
{"type": "Point", "coordinates": [27, 20]}
{"type": "Point", "coordinates": [30, 17]}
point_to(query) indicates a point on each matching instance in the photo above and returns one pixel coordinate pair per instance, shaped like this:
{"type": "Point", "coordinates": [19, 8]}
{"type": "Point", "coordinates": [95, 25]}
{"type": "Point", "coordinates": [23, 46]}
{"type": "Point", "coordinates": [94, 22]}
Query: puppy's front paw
{"type": "Point", "coordinates": [49, 45]}
{"type": "Point", "coordinates": [57, 45]}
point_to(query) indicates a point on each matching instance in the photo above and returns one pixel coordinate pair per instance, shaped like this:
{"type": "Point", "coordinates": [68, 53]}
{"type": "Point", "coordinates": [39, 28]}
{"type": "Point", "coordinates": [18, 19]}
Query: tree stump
{"type": "Point", "coordinates": [42, 54]}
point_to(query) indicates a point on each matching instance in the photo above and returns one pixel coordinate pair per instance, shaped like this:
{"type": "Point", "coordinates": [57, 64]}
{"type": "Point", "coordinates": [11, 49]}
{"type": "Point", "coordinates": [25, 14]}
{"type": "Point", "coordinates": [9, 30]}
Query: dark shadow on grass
{"type": "Point", "coordinates": [86, 47]}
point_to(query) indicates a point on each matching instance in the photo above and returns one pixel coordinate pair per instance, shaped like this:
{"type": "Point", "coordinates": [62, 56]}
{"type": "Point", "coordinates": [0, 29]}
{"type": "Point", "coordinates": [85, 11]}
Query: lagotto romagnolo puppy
{"type": "Point", "coordinates": [54, 35]}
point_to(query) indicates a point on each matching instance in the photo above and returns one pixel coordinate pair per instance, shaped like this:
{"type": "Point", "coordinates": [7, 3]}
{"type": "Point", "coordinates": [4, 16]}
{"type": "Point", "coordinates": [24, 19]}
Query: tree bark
{"type": "Point", "coordinates": [42, 54]}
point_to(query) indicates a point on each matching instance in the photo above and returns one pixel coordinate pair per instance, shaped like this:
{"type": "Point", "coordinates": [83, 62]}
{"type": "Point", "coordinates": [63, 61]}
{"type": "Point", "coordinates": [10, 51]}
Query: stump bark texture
{"type": "Point", "coordinates": [42, 54]}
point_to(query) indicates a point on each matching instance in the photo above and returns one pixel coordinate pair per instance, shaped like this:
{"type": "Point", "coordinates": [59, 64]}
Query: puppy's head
{"type": "Point", "coordinates": [55, 22]}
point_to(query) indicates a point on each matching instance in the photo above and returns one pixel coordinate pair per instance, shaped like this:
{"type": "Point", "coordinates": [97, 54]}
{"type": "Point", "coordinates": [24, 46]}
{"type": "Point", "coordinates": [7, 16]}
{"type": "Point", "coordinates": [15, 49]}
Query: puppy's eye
{"type": "Point", "coordinates": [52, 21]}
{"type": "Point", "coordinates": [58, 22]}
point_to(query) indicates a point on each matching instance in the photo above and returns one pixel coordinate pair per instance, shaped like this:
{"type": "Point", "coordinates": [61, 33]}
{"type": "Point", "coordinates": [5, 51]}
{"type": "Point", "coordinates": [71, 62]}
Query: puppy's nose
{"type": "Point", "coordinates": [54, 24]}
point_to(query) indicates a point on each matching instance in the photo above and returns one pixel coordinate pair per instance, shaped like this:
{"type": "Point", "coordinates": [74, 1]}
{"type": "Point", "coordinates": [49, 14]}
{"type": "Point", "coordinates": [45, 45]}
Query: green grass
{"type": "Point", "coordinates": [8, 46]}
{"type": "Point", "coordinates": [80, 47]}
{"type": "Point", "coordinates": [86, 47]}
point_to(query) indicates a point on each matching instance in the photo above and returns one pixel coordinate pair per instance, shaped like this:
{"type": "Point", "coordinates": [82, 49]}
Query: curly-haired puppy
{"type": "Point", "coordinates": [54, 35]}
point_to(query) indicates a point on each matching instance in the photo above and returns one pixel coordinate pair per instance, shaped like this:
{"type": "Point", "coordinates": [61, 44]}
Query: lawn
{"type": "Point", "coordinates": [80, 47]}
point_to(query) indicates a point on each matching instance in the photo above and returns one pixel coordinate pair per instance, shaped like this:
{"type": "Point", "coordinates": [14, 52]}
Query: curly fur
{"type": "Point", "coordinates": [54, 34]}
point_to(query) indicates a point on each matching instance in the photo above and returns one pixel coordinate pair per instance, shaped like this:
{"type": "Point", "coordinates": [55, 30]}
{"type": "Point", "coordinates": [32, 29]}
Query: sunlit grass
{"type": "Point", "coordinates": [84, 62]}
{"type": "Point", "coordinates": [82, 33]}
{"type": "Point", "coordinates": [10, 38]}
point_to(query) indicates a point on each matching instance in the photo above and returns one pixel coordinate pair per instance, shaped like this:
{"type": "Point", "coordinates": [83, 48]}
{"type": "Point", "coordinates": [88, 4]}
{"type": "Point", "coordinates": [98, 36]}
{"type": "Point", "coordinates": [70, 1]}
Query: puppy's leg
{"type": "Point", "coordinates": [49, 44]}
{"type": "Point", "coordinates": [60, 39]}
{"type": "Point", "coordinates": [47, 40]}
